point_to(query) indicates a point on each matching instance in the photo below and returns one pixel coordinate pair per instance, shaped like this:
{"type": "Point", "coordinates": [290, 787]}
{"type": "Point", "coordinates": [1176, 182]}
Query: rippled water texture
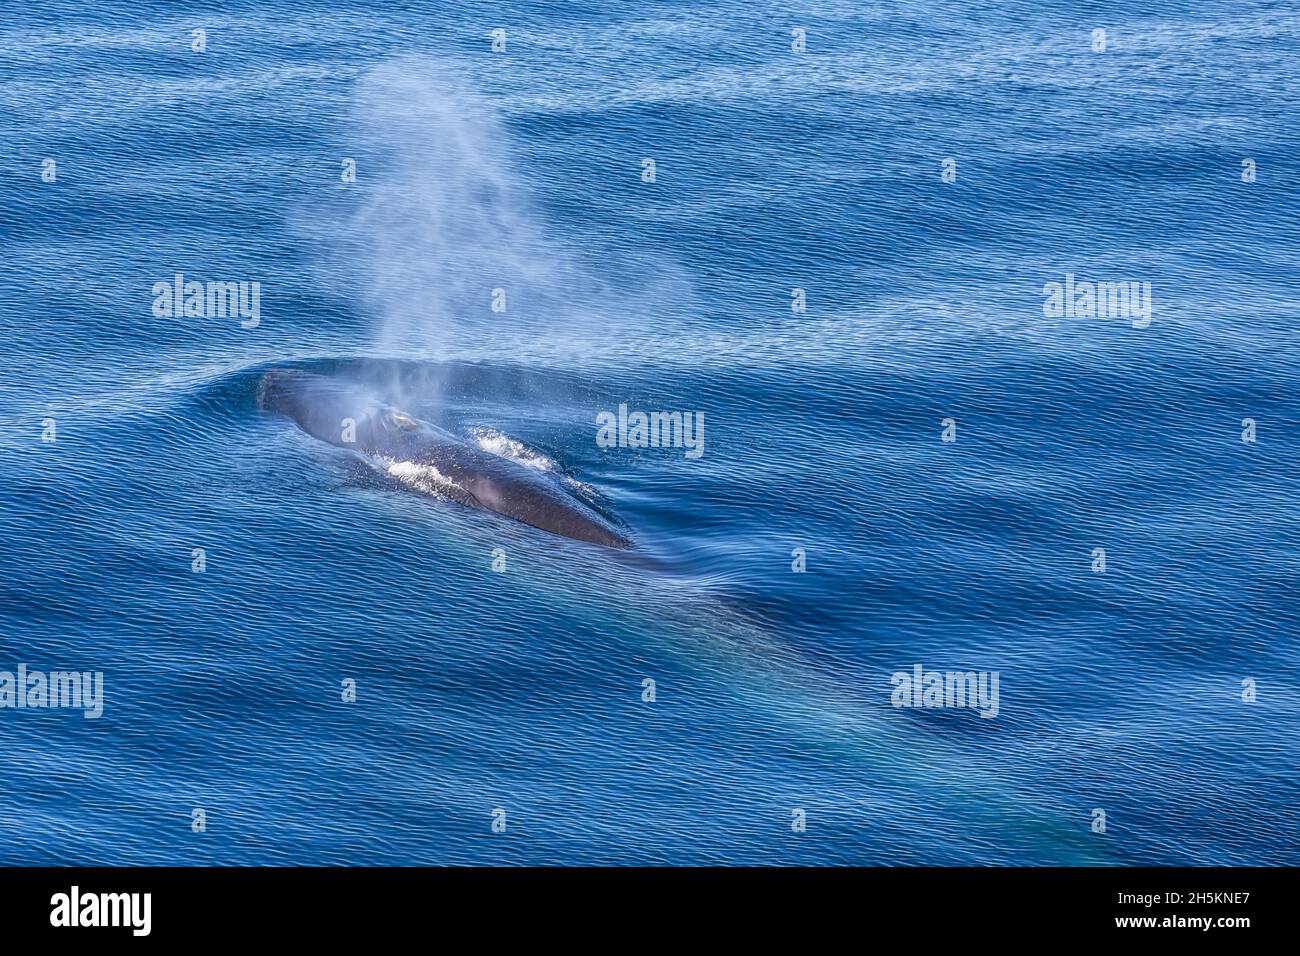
{"type": "Point", "coordinates": [500, 668]}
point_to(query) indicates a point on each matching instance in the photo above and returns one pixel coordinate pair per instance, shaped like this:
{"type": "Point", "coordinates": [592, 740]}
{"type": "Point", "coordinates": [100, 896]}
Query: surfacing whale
{"type": "Point", "coordinates": [348, 416]}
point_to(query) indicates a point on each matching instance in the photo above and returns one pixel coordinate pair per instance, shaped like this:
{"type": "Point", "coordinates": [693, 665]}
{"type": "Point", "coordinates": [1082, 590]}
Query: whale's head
{"type": "Point", "coordinates": [336, 412]}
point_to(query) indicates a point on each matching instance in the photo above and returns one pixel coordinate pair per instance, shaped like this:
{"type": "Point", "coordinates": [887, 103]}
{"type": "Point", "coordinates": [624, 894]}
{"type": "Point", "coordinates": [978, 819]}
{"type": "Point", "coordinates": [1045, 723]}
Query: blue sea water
{"type": "Point", "coordinates": [520, 692]}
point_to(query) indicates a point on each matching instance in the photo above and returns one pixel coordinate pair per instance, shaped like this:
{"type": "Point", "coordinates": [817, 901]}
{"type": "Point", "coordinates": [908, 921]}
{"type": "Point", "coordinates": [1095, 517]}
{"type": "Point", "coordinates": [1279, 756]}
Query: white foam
{"type": "Point", "coordinates": [422, 477]}
{"type": "Point", "coordinates": [503, 446]}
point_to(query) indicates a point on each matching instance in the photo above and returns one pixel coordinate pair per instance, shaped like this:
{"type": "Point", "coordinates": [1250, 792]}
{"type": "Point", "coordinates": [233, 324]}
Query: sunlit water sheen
{"type": "Point", "coordinates": [522, 690]}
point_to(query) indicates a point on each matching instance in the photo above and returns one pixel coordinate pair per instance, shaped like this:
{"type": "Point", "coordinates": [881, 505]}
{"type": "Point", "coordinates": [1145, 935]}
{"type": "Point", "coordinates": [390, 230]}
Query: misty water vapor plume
{"type": "Point", "coordinates": [445, 226]}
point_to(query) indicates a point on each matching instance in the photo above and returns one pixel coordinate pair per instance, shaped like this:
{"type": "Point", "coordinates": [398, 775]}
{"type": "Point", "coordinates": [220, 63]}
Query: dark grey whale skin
{"type": "Point", "coordinates": [319, 406]}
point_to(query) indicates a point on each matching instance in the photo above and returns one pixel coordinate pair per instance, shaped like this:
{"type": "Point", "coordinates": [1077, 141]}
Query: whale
{"type": "Point", "coordinates": [347, 415]}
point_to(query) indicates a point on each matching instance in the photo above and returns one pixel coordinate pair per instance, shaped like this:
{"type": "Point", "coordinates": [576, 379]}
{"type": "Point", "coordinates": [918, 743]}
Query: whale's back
{"type": "Point", "coordinates": [411, 450]}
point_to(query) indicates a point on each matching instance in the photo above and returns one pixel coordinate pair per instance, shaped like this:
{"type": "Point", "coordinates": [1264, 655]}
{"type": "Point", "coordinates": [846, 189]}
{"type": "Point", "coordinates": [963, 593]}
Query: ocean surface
{"type": "Point", "coordinates": [475, 234]}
